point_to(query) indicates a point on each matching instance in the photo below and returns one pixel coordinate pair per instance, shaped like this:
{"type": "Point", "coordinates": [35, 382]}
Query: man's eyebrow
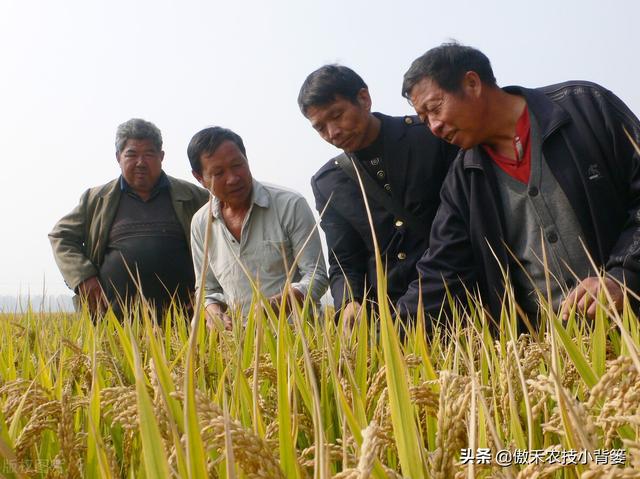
{"type": "Point", "coordinates": [431, 103]}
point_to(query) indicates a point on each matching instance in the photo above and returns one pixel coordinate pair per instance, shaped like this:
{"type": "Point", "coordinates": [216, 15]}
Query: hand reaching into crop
{"type": "Point", "coordinates": [91, 290]}
{"type": "Point", "coordinates": [276, 300]}
{"type": "Point", "coordinates": [217, 312]}
{"type": "Point", "coordinates": [585, 293]}
{"type": "Point", "coordinates": [351, 314]}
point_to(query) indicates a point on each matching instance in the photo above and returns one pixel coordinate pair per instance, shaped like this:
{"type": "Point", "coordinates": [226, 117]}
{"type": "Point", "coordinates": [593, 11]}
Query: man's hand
{"type": "Point", "coordinates": [217, 312]}
{"type": "Point", "coordinates": [91, 291]}
{"type": "Point", "coordinates": [276, 300]}
{"type": "Point", "coordinates": [351, 313]}
{"type": "Point", "coordinates": [584, 296]}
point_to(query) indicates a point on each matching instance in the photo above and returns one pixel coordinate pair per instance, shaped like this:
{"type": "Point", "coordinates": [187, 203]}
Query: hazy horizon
{"type": "Point", "coordinates": [37, 302]}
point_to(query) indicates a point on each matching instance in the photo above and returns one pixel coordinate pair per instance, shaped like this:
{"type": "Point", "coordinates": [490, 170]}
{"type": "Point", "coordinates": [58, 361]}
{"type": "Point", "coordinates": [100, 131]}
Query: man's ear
{"type": "Point", "coordinates": [471, 84]}
{"type": "Point", "coordinates": [199, 177]}
{"type": "Point", "coordinates": [364, 99]}
{"type": "Point", "coordinates": [161, 156]}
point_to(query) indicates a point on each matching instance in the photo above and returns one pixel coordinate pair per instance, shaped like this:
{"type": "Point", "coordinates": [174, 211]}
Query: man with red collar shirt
{"type": "Point", "coordinates": [402, 165]}
{"type": "Point", "coordinates": [540, 169]}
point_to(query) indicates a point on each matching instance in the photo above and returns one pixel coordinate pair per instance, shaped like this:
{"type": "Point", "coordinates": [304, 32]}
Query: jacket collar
{"type": "Point", "coordinates": [548, 115]}
{"type": "Point", "coordinates": [392, 128]}
{"type": "Point", "coordinates": [179, 191]}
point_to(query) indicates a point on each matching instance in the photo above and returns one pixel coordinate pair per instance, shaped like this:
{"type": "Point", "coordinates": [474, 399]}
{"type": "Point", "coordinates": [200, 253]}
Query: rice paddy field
{"type": "Point", "coordinates": [299, 396]}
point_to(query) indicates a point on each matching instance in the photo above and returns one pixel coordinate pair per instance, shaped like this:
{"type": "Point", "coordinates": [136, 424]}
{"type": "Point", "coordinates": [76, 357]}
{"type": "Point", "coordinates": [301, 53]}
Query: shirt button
{"type": "Point", "coordinates": [408, 120]}
{"type": "Point", "coordinates": [375, 161]}
{"type": "Point", "coordinates": [399, 223]}
{"type": "Point", "coordinates": [533, 191]}
{"type": "Point", "coordinates": [387, 187]}
{"type": "Point", "coordinates": [380, 174]}
{"type": "Point", "coordinates": [402, 255]}
{"type": "Point", "coordinates": [552, 237]}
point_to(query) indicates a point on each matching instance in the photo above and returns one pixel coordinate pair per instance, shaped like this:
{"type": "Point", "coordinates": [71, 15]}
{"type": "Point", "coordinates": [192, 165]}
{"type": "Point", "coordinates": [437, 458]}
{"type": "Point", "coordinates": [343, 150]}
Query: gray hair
{"type": "Point", "coordinates": [137, 129]}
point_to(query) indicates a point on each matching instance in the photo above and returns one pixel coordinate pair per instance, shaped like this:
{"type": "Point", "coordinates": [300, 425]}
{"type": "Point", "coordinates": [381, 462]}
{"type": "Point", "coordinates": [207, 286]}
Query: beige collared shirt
{"type": "Point", "coordinates": [274, 232]}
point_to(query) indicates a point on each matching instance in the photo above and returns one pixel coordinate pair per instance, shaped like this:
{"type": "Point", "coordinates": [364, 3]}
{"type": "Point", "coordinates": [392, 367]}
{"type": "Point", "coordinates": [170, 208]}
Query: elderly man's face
{"type": "Point", "coordinates": [346, 125]}
{"type": "Point", "coordinates": [225, 173]}
{"type": "Point", "coordinates": [455, 117]}
{"type": "Point", "coordinates": [141, 165]}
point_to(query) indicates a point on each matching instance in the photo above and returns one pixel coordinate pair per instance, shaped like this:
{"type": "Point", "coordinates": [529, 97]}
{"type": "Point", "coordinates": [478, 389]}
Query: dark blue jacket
{"type": "Point", "coordinates": [416, 164]}
{"type": "Point", "coordinates": [585, 146]}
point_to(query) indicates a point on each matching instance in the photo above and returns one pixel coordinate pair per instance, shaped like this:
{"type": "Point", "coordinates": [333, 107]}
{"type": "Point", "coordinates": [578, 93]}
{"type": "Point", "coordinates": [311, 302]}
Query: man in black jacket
{"type": "Point", "coordinates": [402, 165]}
{"type": "Point", "coordinates": [544, 174]}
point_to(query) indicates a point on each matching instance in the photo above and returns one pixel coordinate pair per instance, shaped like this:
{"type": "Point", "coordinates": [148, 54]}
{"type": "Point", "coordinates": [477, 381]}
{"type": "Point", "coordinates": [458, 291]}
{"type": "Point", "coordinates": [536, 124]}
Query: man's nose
{"type": "Point", "coordinates": [436, 127]}
{"type": "Point", "coordinates": [232, 178]}
{"type": "Point", "coordinates": [333, 131]}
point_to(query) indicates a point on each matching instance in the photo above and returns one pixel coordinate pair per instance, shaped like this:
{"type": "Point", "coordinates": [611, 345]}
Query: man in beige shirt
{"type": "Point", "coordinates": [257, 229]}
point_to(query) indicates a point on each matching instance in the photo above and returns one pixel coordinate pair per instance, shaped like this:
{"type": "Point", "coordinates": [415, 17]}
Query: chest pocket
{"type": "Point", "coordinates": [275, 257]}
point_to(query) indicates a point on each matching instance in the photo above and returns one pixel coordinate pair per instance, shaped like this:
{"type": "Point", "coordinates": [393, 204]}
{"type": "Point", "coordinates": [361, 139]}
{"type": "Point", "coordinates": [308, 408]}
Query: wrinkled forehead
{"type": "Point", "coordinates": [338, 101]}
{"type": "Point", "coordinates": [426, 90]}
{"type": "Point", "coordinates": [226, 151]}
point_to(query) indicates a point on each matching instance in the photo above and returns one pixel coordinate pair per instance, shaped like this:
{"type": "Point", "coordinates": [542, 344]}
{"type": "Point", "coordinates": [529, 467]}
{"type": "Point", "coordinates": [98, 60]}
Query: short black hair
{"type": "Point", "coordinates": [446, 65]}
{"type": "Point", "coordinates": [208, 141]}
{"type": "Point", "coordinates": [322, 86]}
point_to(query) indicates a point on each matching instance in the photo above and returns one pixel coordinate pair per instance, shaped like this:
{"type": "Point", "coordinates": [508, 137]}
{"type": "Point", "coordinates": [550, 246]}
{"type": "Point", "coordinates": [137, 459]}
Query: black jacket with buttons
{"type": "Point", "coordinates": [584, 143]}
{"type": "Point", "coordinates": [416, 163]}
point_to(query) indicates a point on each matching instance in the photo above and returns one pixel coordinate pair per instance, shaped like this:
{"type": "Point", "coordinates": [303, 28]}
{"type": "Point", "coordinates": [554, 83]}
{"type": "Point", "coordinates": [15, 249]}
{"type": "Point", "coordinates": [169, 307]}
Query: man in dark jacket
{"type": "Point", "coordinates": [544, 175]}
{"type": "Point", "coordinates": [402, 165]}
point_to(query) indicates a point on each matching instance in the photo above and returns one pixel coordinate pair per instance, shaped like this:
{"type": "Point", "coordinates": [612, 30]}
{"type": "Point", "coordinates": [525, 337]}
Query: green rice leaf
{"type": "Point", "coordinates": [155, 460]}
{"type": "Point", "coordinates": [578, 359]}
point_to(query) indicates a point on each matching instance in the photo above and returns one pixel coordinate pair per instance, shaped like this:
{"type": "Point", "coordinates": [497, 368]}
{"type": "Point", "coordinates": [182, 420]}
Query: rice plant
{"type": "Point", "coordinates": [300, 396]}
{"type": "Point", "coordinates": [295, 393]}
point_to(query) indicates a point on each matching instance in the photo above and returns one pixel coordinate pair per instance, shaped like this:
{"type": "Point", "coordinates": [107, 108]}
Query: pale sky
{"type": "Point", "coordinates": [71, 71]}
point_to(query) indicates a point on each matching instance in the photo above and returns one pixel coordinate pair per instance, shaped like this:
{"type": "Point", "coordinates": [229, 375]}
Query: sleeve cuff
{"type": "Point", "coordinates": [304, 289]}
{"type": "Point", "coordinates": [214, 298]}
{"type": "Point", "coordinates": [628, 278]}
